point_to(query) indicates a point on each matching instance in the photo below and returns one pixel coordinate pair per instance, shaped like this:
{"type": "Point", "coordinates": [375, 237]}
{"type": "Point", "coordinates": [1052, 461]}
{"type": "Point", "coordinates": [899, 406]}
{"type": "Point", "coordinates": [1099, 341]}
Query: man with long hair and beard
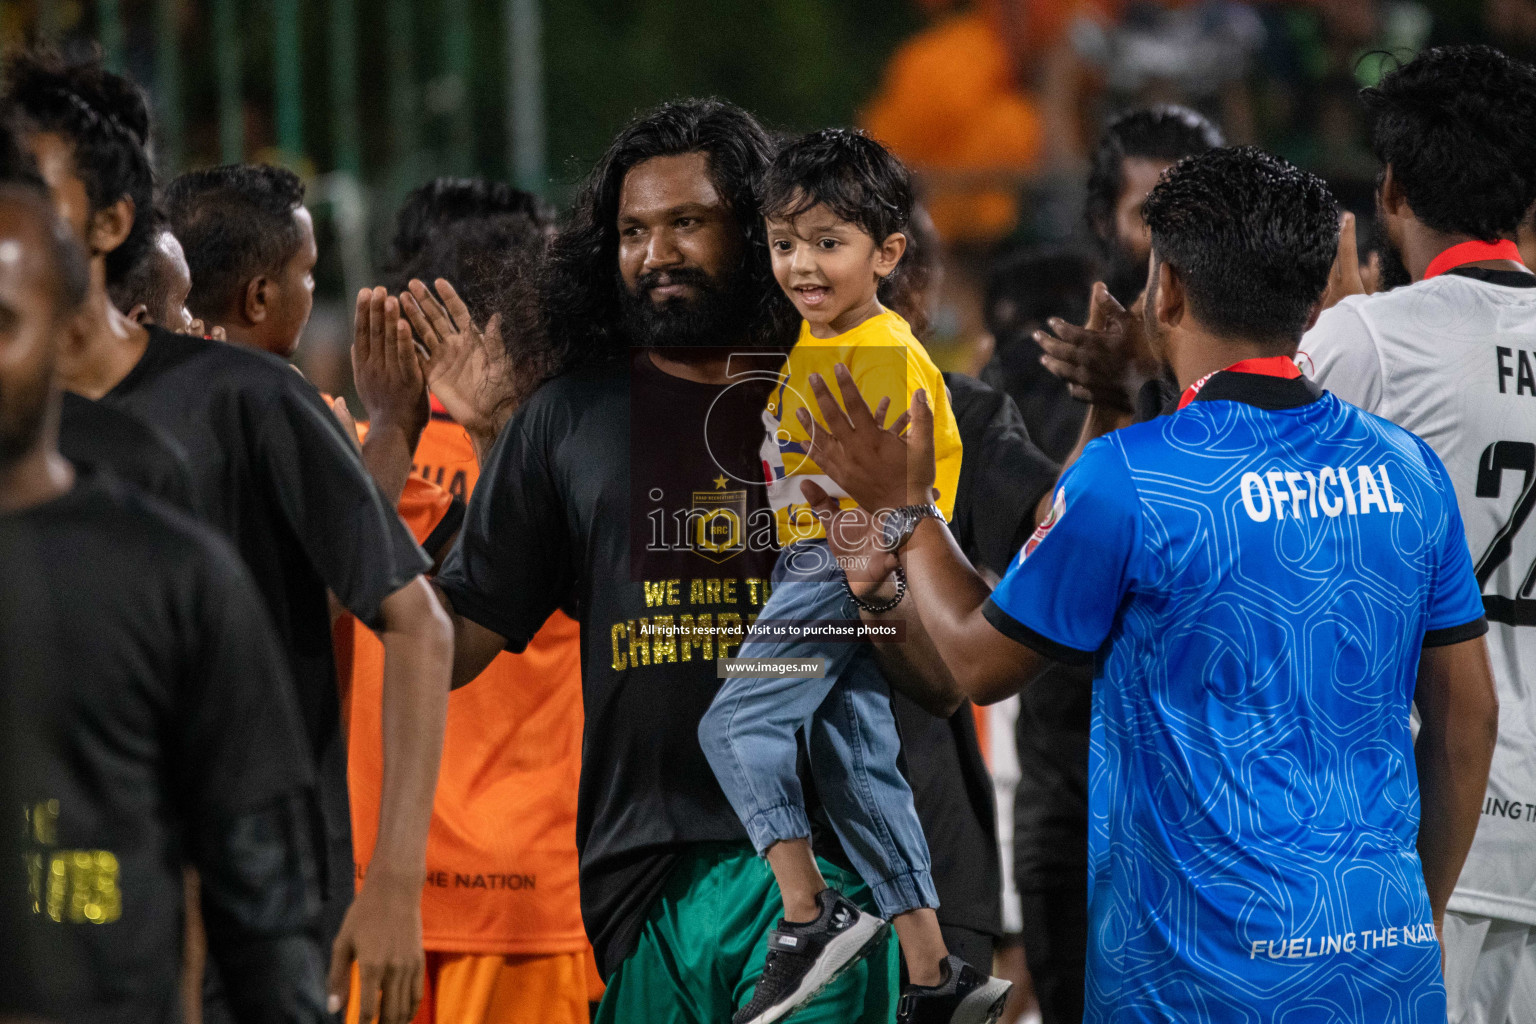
{"type": "Point", "coordinates": [628, 489]}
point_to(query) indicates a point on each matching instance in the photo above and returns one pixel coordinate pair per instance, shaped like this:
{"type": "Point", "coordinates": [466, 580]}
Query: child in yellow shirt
{"type": "Point", "coordinates": [836, 206]}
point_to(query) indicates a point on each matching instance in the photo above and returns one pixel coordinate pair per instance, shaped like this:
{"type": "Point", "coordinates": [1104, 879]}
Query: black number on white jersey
{"type": "Point", "coordinates": [1518, 609]}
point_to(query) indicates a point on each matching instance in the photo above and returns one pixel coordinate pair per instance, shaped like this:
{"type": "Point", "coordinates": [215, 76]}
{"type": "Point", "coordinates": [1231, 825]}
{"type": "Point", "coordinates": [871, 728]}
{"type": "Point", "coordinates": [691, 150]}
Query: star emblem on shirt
{"type": "Point", "coordinates": [720, 482]}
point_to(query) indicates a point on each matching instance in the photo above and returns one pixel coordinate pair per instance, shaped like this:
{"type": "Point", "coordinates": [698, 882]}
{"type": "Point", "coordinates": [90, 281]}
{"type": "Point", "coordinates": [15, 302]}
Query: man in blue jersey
{"type": "Point", "coordinates": [1265, 581]}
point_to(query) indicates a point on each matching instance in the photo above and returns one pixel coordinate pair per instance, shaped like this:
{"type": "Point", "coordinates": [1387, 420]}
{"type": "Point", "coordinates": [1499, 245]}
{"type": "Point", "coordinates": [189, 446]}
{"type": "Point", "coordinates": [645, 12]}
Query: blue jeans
{"type": "Point", "coordinates": [748, 734]}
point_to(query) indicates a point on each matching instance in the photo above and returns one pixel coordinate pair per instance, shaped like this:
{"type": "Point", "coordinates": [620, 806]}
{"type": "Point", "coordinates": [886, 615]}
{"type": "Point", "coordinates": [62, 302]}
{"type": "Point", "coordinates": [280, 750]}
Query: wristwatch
{"type": "Point", "coordinates": [899, 523]}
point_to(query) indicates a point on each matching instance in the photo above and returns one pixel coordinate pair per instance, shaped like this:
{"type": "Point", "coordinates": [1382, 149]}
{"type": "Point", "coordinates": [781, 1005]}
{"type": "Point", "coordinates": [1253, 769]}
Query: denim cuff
{"type": "Point", "coordinates": [776, 824]}
{"type": "Point", "coordinates": [902, 893]}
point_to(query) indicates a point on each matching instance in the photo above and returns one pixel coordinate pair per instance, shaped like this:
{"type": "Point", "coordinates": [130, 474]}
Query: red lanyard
{"type": "Point", "coordinates": [1269, 366]}
{"type": "Point", "coordinates": [1471, 252]}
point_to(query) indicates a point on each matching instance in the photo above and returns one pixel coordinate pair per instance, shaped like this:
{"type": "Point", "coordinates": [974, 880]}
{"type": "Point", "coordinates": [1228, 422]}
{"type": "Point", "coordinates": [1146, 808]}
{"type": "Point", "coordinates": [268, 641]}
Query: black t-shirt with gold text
{"type": "Point", "coordinates": [634, 497]}
{"type": "Point", "coordinates": [144, 707]}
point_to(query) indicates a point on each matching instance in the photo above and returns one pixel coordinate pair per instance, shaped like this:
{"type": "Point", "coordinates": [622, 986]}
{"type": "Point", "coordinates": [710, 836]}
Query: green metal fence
{"type": "Point", "coordinates": [312, 55]}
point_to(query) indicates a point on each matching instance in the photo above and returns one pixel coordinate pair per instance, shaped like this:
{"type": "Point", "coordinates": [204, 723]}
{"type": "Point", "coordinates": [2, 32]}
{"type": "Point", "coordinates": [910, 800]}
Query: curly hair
{"type": "Point", "coordinates": [235, 222]}
{"type": "Point", "coordinates": [485, 216]}
{"type": "Point", "coordinates": [581, 288]}
{"type": "Point", "coordinates": [1253, 238]}
{"type": "Point", "coordinates": [1163, 132]}
{"type": "Point", "coordinates": [105, 119]}
{"type": "Point", "coordinates": [1457, 128]}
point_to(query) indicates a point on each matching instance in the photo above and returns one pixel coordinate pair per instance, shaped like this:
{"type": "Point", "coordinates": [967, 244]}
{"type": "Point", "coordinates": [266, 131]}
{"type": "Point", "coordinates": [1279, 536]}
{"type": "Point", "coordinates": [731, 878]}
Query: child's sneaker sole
{"type": "Point", "coordinates": [985, 1005]}
{"type": "Point", "coordinates": [841, 953]}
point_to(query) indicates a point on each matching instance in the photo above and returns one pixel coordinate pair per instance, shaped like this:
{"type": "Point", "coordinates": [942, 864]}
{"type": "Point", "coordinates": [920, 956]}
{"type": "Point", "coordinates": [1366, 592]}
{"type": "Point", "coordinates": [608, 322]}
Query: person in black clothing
{"type": "Point", "coordinates": [1133, 152]}
{"type": "Point", "coordinates": [273, 471]}
{"type": "Point", "coordinates": [143, 728]}
{"type": "Point", "coordinates": [250, 249]}
{"type": "Point", "coordinates": [114, 441]}
{"type": "Point", "coordinates": [1050, 819]}
{"type": "Point", "coordinates": [1002, 481]}
{"type": "Point", "coordinates": [1029, 294]}
{"type": "Point", "coordinates": [154, 290]}
{"type": "Point", "coordinates": [89, 433]}
{"type": "Point", "coordinates": [1001, 473]}
{"type": "Point", "coordinates": [663, 310]}
{"type": "Point", "coordinates": [1051, 808]}
{"type": "Point", "coordinates": [1002, 478]}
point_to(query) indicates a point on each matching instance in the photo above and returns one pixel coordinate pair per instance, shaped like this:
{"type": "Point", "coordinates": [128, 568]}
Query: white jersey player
{"type": "Point", "coordinates": [1452, 357]}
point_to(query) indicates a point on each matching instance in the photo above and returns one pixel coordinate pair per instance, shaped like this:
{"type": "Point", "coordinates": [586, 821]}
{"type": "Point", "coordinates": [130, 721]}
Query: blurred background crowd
{"type": "Point", "coordinates": [995, 103]}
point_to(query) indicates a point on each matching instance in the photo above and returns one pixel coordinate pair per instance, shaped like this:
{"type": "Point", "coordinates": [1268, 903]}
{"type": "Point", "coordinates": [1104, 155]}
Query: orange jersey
{"type": "Point", "coordinates": [446, 456]}
{"type": "Point", "coordinates": [501, 855]}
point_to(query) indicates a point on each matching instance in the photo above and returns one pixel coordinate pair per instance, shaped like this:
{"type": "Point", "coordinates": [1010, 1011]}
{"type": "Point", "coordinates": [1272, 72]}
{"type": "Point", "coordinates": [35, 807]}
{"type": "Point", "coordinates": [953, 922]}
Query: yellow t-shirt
{"type": "Point", "coordinates": [885, 361]}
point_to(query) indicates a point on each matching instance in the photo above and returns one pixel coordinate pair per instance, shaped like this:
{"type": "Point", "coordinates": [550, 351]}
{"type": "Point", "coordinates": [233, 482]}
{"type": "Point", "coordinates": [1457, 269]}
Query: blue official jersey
{"type": "Point", "coordinates": [1255, 577]}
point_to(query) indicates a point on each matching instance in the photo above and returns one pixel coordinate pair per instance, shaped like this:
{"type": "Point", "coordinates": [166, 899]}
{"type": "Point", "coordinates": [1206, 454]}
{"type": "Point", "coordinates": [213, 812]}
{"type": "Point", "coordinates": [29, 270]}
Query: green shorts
{"type": "Point", "coordinates": [703, 944]}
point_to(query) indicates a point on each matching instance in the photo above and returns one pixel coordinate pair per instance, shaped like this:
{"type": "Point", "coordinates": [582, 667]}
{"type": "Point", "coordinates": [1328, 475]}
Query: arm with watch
{"type": "Point", "coordinates": [877, 584]}
{"type": "Point", "coordinates": [937, 591]}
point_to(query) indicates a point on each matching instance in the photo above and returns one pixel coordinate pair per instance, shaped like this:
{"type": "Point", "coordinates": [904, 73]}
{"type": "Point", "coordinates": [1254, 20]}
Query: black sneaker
{"type": "Point", "coordinates": [803, 959]}
{"type": "Point", "coordinates": [966, 996]}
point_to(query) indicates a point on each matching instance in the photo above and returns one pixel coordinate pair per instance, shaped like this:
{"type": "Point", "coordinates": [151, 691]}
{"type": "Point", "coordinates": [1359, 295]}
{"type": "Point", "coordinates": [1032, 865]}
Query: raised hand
{"type": "Point", "coordinates": [466, 365]}
{"type": "Point", "coordinates": [853, 535]}
{"type": "Point", "coordinates": [385, 367]}
{"type": "Point", "coordinates": [1345, 278]}
{"type": "Point", "coordinates": [1105, 361]}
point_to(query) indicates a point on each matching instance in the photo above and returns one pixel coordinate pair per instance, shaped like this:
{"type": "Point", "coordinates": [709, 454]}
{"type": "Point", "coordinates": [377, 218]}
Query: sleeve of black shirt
{"type": "Point", "coordinates": [511, 567]}
{"type": "Point", "coordinates": [352, 536]}
{"type": "Point", "coordinates": [1002, 474]}
{"type": "Point", "coordinates": [241, 761]}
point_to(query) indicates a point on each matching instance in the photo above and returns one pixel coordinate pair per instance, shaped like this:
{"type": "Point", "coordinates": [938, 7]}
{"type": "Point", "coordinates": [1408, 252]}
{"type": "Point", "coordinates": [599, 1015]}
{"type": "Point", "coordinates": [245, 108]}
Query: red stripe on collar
{"type": "Point", "coordinates": [1268, 366]}
{"type": "Point", "coordinates": [1472, 252]}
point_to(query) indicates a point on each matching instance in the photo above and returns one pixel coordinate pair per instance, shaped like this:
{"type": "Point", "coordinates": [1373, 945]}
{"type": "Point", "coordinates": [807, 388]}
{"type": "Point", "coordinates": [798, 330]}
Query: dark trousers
{"type": "Point", "coordinates": [1056, 949]}
{"type": "Point", "coordinates": [974, 947]}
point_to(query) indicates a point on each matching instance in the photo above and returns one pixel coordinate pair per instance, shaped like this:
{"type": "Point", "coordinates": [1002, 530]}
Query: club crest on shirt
{"type": "Point", "coordinates": [1058, 509]}
{"type": "Point", "coordinates": [718, 520]}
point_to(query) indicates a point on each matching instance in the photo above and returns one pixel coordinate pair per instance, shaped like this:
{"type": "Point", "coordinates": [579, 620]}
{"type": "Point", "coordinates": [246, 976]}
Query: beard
{"type": "Point", "coordinates": [1124, 275]}
{"type": "Point", "coordinates": [720, 315]}
{"type": "Point", "coordinates": [1394, 272]}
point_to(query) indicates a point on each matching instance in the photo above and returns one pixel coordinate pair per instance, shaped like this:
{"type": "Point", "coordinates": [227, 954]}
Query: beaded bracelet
{"type": "Point", "coordinates": [875, 609]}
